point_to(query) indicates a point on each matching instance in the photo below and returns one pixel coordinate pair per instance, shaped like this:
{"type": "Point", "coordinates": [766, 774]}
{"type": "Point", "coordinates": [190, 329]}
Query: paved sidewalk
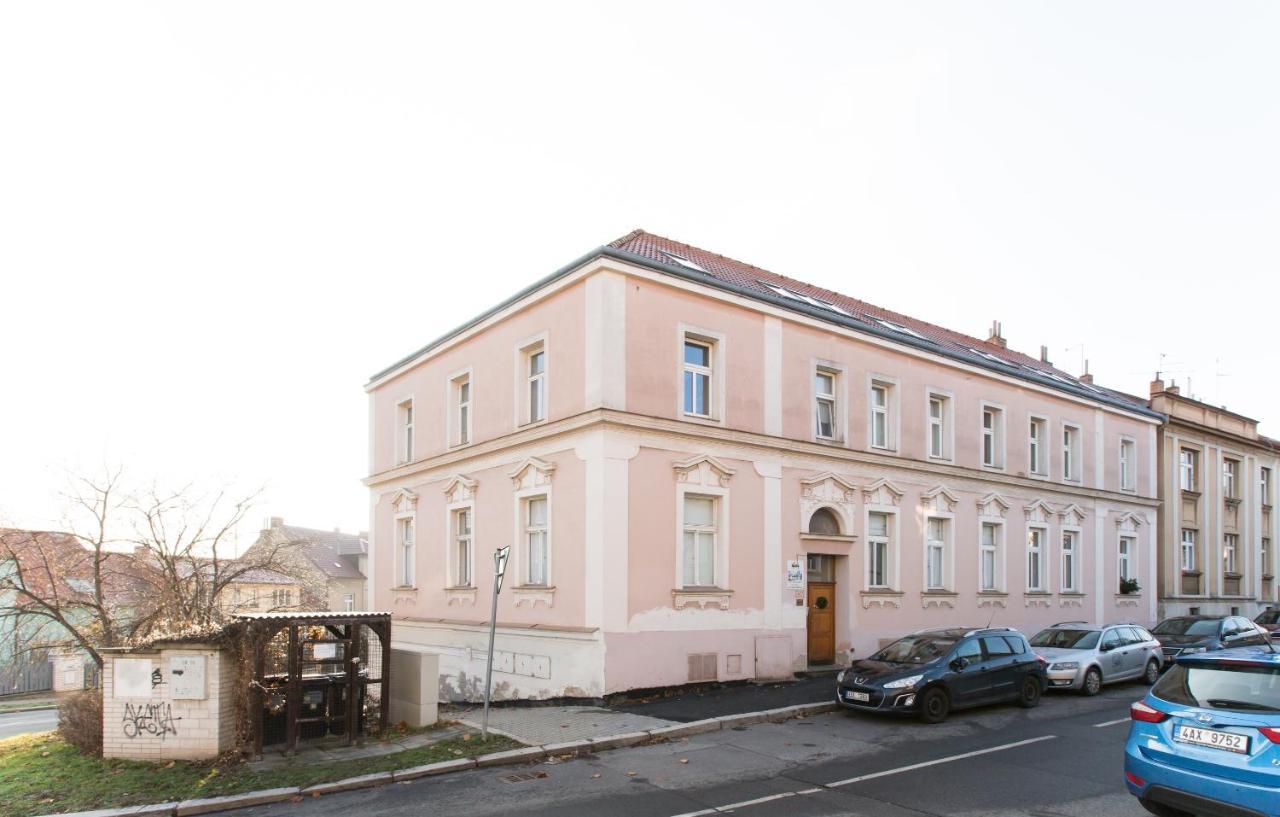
{"type": "Point", "coordinates": [540, 725]}
{"type": "Point", "coordinates": [273, 757]}
{"type": "Point", "coordinates": [736, 699]}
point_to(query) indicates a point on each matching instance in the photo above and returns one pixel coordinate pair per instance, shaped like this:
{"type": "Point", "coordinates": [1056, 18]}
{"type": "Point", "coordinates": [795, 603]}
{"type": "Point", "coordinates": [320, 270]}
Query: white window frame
{"type": "Point", "coordinates": [1039, 463]}
{"type": "Point", "coordinates": [1126, 558]}
{"type": "Point", "coordinates": [1265, 479]}
{"type": "Point", "coordinates": [1128, 454]}
{"type": "Point", "coordinates": [451, 537]}
{"type": "Point", "coordinates": [997, 547]}
{"type": "Point", "coordinates": [1072, 453]}
{"type": "Point", "coordinates": [523, 561]}
{"type": "Point", "coordinates": [721, 568]}
{"type": "Point", "coordinates": [716, 343]}
{"type": "Point", "coordinates": [460, 430]}
{"type": "Point", "coordinates": [1231, 477]}
{"type": "Point", "coordinates": [891, 411]}
{"type": "Point", "coordinates": [406, 564]}
{"type": "Point", "coordinates": [405, 417]}
{"type": "Point", "coordinates": [1188, 548]}
{"type": "Point", "coordinates": [944, 544]}
{"type": "Point", "coordinates": [349, 601]}
{"type": "Point", "coordinates": [1265, 556]}
{"type": "Point", "coordinates": [1189, 468]}
{"type": "Point", "coordinates": [839, 417]}
{"type": "Point", "coordinates": [1040, 551]}
{"type": "Point", "coordinates": [946, 424]}
{"type": "Point", "coordinates": [893, 549]}
{"type": "Point", "coordinates": [1069, 574]}
{"type": "Point", "coordinates": [998, 448]}
{"type": "Point", "coordinates": [1231, 553]}
{"type": "Point", "coordinates": [525, 350]}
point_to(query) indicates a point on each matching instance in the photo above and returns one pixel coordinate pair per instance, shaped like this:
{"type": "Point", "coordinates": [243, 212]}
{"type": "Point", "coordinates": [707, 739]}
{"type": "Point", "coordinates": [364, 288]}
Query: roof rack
{"type": "Point", "coordinates": [1065, 623]}
{"type": "Point", "coordinates": [977, 630]}
{"type": "Point", "coordinates": [935, 629]}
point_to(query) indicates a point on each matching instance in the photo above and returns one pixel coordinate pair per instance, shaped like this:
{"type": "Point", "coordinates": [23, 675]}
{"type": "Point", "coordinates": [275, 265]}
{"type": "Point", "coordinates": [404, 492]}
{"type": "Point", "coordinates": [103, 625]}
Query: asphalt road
{"type": "Point", "coordinates": [19, 723]}
{"type": "Point", "coordinates": [1061, 759]}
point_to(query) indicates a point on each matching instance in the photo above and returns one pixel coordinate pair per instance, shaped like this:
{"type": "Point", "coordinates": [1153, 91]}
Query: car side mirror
{"type": "Point", "coordinates": [1106, 648]}
{"type": "Point", "coordinates": [959, 663]}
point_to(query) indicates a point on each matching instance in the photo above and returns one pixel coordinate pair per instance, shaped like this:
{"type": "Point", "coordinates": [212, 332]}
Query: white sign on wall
{"type": "Point", "coordinates": [795, 575]}
{"type": "Point", "coordinates": [323, 652]}
{"type": "Point", "coordinates": [186, 677]}
{"type": "Point", "coordinates": [131, 678]}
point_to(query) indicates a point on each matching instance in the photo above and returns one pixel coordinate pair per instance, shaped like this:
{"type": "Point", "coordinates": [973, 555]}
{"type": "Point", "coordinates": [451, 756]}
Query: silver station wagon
{"type": "Point", "coordinates": [1084, 656]}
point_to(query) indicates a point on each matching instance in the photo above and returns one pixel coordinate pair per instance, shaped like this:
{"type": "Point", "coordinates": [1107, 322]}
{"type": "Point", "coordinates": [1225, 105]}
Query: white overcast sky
{"type": "Point", "coordinates": [218, 219]}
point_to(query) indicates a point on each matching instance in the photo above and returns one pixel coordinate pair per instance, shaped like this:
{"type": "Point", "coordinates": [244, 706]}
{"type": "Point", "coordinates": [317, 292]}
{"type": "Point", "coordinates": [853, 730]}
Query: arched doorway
{"type": "Point", "coordinates": [821, 591]}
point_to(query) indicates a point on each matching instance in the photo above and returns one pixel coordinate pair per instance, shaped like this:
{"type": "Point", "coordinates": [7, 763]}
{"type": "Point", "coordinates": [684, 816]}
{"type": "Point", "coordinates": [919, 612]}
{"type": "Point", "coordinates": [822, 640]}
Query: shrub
{"type": "Point", "coordinates": [1129, 586]}
{"type": "Point", "coordinates": [80, 720]}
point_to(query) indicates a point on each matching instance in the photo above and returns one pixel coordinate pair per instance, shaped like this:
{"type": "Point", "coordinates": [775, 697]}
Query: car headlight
{"type": "Point", "coordinates": [1190, 650]}
{"type": "Point", "coordinates": [1065, 665]}
{"type": "Point", "coordinates": [904, 683]}
{"type": "Point", "coordinates": [840, 676]}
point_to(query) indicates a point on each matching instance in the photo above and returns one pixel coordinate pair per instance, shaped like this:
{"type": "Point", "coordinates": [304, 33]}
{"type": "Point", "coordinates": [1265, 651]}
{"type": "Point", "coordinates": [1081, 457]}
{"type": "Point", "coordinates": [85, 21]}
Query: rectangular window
{"type": "Point", "coordinates": [349, 601]}
{"type": "Point", "coordinates": [1070, 557]}
{"type": "Point", "coordinates": [536, 372]}
{"type": "Point", "coordinates": [988, 561]}
{"type": "Point", "coordinates": [992, 437]}
{"type": "Point", "coordinates": [939, 427]}
{"type": "Point", "coordinates": [1035, 559]}
{"type": "Point", "coordinates": [1230, 544]}
{"type": "Point", "coordinates": [461, 410]}
{"type": "Point", "coordinates": [697, 378]}
{"type": "Point", "coordinates": [1264, 486]}
{"type": "Point", "coordinates": [878, 542]}
{"type": "Point", "coordinates": [699, 541]}
{"type": "Point", "coordinates": [824, 392]}
{"type": "Point", "coordinates": [1230, 472]}
{"type": "Point", "coordinates": [1070, 453]}
{"type": "Point", "coordinates": [881, 431]}
{"type": "Point", "coordinates": [406, 552]}
{"type": "Point", "coordinates": [1128, 462]}
{"type": "Point", "coordinates": [1124, 557]}
{"type": "Point", "coordinates": [1187, 468]}
{"type": "Point", "coordinates": [1037, 462]}
{"type": "Point", "coordinates": [406, 431]}
{"type": "Point", "coordinates": [1266, 556]}
{"type": "Point", "coordinates": [1188, 549]}
{"type": "Point", "coordinates": [462, 547]}
{"type": "Point", "coordinates": [935, 554]}
{"type": "Point", "coordinates": [535, 535]}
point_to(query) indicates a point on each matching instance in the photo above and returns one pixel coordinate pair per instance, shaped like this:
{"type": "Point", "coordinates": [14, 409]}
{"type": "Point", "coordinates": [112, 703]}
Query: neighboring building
{"type": "Point", "coordinates": [1217, 528]}
{"type": "Point", "coordinates": [661, 433]}
{"type": "Point", "coordinates": [261, 591]}
{"type": "Point", "coordinates": [324, 570]}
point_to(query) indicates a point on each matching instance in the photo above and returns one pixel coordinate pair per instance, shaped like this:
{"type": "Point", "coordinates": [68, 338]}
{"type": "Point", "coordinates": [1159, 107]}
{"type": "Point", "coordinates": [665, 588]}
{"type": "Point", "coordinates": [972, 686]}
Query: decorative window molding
{"type": "Point", "coordinates": [938, 599]}
{"type": "Point", "coordinates": [701, 599]}
{"type": "Point", "coordinates": [830, 491]}
{"type": "Point", "coordinates": [993, 505]}
{"type": "Point", "coordinates": [1072, 515]}
{"type": "Point", "coordinates": [531, 473]}
{"type": "Point", "coordinates": [703, 469]}
{"type": "Point", "coordinates": [989, 599]}
{"type": "Point", "coordinates": [882, 492]}
{"type": "Point", "coordinates": [880, 598]}
{"type": "Point", "coordinates": [460, 596]}
{"type": "Point", "coordinates": [938, 500]}
{"type": "Point", "coordinates": [404, 501]}
{"type": "Point", "coordinates": [531, 595]}
{"type": "Point", "coordinates": [1039, 512]}
{"type": "Point", "coordinates": [460, 488]}
{"type": "Point", "coordinates": [1129, 521]}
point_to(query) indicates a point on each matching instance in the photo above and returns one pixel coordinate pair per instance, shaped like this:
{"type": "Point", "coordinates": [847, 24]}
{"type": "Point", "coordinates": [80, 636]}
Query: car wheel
{"type": "Point", "coordinates": [1152, 673]}
{"type": "Point", "coordinates": [1029, 694]}
{"type": "Point", "coordinates": [1092, 682]}
{"type": "Point", "coordinates": [1161, 810]}
{"type": "Point", "coordinates": [934, 705]}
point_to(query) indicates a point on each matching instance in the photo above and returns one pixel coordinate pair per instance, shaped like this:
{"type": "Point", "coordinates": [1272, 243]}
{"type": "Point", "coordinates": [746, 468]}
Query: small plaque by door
{"type": "Point", "coordinates": [822, 622]}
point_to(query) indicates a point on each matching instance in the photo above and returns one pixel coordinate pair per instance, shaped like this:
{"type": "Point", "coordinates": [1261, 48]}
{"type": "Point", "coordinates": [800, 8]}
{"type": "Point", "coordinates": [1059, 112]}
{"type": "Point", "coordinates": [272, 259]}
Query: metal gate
{"type": "Point", "coordinates": [26, 676]}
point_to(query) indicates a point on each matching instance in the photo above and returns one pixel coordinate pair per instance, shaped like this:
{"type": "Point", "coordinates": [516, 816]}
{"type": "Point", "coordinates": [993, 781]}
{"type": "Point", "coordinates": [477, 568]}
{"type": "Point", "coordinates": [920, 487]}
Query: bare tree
{"type": "Point", "coordinates": [131, 565]}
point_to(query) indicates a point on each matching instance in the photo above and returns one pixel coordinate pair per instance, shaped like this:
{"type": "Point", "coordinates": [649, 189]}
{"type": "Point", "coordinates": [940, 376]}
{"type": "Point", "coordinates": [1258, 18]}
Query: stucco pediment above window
{"type": "Point", "coordinates": [1073, 514]}
{"type": "Point", "coordinates": [1039, 511]}
{"type": "Point", "coordinates": [404, 500]}
{"type": "Point", "coordinates": [1129, 521]}
{"type": "Point", "coordinates": [881, 492]}
{"type": "Point", "coordinates": [828, 487]}
{"type": "Point", "coordinates": [460, 488]}
{"type": "Point", "coordinates": [938, 500]}
{"type": "Point", "coordinates": [531, 473]}
{"type": "Point", "coordinates": [710, 598]}
{"type": "Point", "coordinates": [993, 505]}
{"type": "Point", "coordinates": [703, 470]}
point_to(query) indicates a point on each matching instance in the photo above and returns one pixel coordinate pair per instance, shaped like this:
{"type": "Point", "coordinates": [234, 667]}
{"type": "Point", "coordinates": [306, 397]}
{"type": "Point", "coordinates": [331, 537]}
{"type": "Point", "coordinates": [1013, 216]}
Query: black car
{"type": "Point", "coordinates": [1184, 635]}
{"type": "Point", "coordinates": [931, 672]}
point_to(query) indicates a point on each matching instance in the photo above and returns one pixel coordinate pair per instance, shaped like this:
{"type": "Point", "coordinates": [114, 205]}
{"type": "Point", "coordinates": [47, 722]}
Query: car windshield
{"type": "Point", "coordinates": [1066, 639]}
{"type": "Point", "coordinates": [1241, 687]}
{"type": "Point", "coordinates": [916, 649]}
{"type": "Point", "coordinates": [1269, 617]}
{"type": "Point", "coordinates": [1187, 626]}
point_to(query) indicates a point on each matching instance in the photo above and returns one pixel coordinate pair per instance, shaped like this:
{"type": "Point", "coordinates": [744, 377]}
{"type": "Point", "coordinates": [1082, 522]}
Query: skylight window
{"type": "Point", "coordinates": [684, 262]}
{"type": "Point", "coordinates": [897, 327]}
{"type": "Point", "coordinates": [990, 356]}
{"type": "Point", "coordinates": [808, 299]}
{"type": "Point", "coordinates": [825, 305]}
{"type": "Point", "coordinates": [784, 292]}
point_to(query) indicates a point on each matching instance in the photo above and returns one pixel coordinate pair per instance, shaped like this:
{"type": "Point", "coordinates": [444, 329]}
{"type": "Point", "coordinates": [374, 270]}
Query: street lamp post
{"type": "Point", "coordinates": [499, 569]}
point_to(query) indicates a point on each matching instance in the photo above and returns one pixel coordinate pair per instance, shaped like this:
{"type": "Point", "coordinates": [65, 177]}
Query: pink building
{"type": "Point", "coordinates": [710, 471]}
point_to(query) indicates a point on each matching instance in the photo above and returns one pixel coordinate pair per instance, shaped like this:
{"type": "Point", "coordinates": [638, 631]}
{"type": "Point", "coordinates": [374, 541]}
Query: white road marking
{"type": "Point", "coordinates": [928, 763]}
{"type": "Point", "coordinates": [1111, 723]}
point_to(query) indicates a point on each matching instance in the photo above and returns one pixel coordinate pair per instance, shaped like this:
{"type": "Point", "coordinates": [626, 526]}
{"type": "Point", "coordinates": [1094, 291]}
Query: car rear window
{"type": "Point", "coordinates": [1238, 687]}
{"type": "Point", "coordinates": [1015, 643]}
{"type": "Point", "coordinates": [1066, 639]}
{"type": "Point", "coordinates": [997, 646]}
{"type": "Point", "coordinates": [1269, 617]}
{"type": "Point", "coordinates": [1187, 626]}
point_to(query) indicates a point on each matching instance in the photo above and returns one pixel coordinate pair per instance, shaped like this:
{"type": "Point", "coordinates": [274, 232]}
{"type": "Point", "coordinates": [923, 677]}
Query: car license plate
{"type": "Point", "coordinates": [857, 696]}
{"type": "Point", "coordinates": [1212, 738]}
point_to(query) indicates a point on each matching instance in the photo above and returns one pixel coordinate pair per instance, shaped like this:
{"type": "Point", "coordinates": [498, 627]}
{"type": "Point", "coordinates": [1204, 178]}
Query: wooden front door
{"type": "Point", "coordinates": [822, 622]}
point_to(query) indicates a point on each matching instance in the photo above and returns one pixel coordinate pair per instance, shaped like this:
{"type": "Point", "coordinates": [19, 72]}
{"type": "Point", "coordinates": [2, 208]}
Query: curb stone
{"type": "Point", "coordinates": [511, 757]}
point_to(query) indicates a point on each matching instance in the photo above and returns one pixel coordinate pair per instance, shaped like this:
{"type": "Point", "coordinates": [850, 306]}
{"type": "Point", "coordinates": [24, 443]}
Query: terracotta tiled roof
{"type": "Point", "coordinates": [848, 310]}
{"type": "Point", "coordinates": [332, 552]}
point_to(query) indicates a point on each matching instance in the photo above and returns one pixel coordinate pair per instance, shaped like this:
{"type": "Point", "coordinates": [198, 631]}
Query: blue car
{"type": "Point", "coordinates": [1206, 738]}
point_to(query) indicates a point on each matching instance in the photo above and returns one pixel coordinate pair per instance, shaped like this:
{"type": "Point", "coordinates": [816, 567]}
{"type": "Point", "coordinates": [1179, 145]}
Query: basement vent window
{"type": "Point", "coordinates": [702, 666]}
{"type": "Point", "coordinates": [684, 262]}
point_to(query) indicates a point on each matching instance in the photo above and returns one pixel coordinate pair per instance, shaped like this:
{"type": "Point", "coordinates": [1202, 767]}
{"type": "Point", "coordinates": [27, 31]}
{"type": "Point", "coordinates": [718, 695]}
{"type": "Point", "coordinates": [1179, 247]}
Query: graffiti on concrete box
{"type": "Point", "coordinates": [149, 720]}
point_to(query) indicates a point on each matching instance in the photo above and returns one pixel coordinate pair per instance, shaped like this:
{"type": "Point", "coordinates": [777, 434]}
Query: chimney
{"type": "Point", "coordinates": [1173, 388]}
{"type": "Point", "coordinates": [996, 337]}
{"type": "Point", "coordinates": [1044, 355]}
{"type": "Point", "coordinates": [1157, 385]}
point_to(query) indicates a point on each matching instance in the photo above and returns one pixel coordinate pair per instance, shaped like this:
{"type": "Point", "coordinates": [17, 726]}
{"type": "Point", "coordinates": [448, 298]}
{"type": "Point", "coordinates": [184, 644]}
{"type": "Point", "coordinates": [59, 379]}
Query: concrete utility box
{"type": "Point", "coordinates": [168, 703]}
{"type": "Point", "coordinates": [415, 695]}
{"type": "Point", "coordinates": [68, 670]}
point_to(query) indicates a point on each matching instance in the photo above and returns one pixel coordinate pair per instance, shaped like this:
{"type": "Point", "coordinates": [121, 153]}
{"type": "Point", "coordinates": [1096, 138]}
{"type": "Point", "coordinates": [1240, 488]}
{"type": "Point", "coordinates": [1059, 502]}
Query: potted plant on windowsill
{"type": "Point", "coordinates": [1129, 587]}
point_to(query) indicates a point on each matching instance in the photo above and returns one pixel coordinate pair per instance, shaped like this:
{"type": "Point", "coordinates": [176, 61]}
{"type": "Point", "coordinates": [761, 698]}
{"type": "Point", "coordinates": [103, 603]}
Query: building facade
{"type": "Point", "coordinates": [1217, 525]}
{"type": "Point", "coordinates": [707, 471]}
{"type": "Point", "coordinates": [319, 569]}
